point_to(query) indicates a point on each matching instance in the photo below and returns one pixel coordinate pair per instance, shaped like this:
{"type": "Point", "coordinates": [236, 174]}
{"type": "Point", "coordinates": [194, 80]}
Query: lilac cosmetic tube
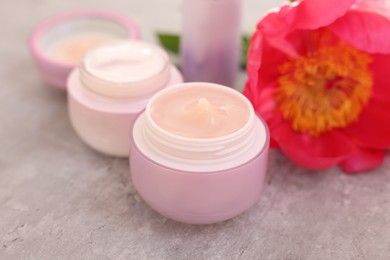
{"type": "Point", "coordinates": [210, 44]}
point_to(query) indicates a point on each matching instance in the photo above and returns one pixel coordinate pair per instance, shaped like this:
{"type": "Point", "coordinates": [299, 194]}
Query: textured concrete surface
{"type": "Point", "coordinates": [61, 200]}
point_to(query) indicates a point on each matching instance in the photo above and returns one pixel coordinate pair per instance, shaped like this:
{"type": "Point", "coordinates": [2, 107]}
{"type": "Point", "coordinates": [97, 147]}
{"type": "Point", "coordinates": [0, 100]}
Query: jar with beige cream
{"type": "Point", "coordinates": [199, 153]}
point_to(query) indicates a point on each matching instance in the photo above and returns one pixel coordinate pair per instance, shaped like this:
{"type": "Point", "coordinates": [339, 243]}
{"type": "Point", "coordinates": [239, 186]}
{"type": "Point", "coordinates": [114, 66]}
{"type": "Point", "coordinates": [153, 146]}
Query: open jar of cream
{"type": "Point", "coordinates": [111, 87]}
{"type": "Point", "coordinates": [59, 43]}
{"type": "Point", "coordinates": [199, 153]}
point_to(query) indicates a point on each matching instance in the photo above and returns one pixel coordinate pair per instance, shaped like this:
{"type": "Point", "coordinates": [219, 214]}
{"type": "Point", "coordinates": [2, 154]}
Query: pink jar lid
{"type": "Point", "coordinates": [59, 42]}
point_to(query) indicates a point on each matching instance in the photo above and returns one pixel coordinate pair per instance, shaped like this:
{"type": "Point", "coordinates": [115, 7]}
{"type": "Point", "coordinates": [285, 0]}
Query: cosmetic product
{"type": "Point", "coordinates": [111, 87]}
{"type": "Point", "coordinates": [211, 40]}
{"type": "Point", "coordinates": [199, 153]}
{"type": "Point", "coordinates": [59, 43]}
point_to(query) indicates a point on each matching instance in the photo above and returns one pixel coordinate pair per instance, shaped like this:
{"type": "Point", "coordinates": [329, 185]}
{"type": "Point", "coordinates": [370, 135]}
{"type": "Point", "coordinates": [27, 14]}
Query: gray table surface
{"type": "Point", "coordinates": [61, 200]}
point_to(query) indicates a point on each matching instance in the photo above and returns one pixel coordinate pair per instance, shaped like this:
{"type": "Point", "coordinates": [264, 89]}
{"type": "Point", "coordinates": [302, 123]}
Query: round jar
{"type": "Point", "coordinates": [111, 87]}
{"type": "Point", "coordinates": [199, 153]}
{"type": "Point", "coordinates": [59, 43]}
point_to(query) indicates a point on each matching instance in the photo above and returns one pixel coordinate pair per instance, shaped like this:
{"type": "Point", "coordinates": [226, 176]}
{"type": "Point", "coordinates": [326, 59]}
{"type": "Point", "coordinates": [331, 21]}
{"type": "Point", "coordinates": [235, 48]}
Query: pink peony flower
{"type": "Point", "coordinates": [318, 75]}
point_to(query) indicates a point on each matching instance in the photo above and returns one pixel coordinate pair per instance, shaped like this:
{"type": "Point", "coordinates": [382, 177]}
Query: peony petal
{"type": "Point", "coordinates": [273, 120]}
{"type": "Point", "coordinates": [367, 31]}
{"type": "Point", "coordinates": [277, 22]}
{"type": "Point", "coordinates": [262, 68]}
{"type": "Point", "coordinates": [266, 102]}
{"type": "Point", "coordinates": [372, 130]}
{"type": "Point", "coordinates": [263, 61]}
{"type": "Point", "coordinates": [363, 160]}
{"type": "Point", "coordinates": [303, 15]}
{"type": "Point", "coordinates": [377, 6]}
{"type": "Point", "coordinates": [315, 153]}
{"type": "Point", "coordinates": [251, 92]}
{"type": "Point", "coordinates": [380, 68]}
{"type": "Point", "coordinates": [273, 144]}
{"type": "Point", "coordinates": [313, 14]}
{"type": "Point", "coordinates": [255, 55]}
{"type": "Point", "coordinates": [268, 72]}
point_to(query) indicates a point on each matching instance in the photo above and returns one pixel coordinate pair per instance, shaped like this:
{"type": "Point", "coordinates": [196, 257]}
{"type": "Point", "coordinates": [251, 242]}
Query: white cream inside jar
{"type": "Point", "coordinates": [125, 69]}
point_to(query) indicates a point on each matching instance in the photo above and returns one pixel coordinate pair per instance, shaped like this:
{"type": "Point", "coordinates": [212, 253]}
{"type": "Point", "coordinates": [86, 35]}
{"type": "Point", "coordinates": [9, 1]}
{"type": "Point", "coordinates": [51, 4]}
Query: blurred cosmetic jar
{"type": "Point", "coordinates": [59, 43]}
{"type": "Point", "coordinates": [111, 87]}
{"type": "Point", "coordinates": [199, 153]}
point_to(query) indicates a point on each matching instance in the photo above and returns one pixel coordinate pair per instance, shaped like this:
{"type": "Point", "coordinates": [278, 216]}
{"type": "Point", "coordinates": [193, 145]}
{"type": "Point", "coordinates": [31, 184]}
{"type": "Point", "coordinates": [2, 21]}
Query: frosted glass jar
{"type": "Point", "coordinates": [192, 179]}
{"type": "Point", "coordinates": [111, 87]}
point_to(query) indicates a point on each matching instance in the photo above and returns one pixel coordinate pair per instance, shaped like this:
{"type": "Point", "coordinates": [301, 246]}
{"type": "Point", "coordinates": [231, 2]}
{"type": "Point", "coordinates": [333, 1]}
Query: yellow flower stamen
{"type": "Point", "coordinates": [325, 89]}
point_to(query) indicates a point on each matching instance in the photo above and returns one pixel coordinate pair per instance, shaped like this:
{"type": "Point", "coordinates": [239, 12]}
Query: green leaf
{"type": "Point", "coordinates": [245, 40]}
{"type": "Point", "coordinates": [170, 42]}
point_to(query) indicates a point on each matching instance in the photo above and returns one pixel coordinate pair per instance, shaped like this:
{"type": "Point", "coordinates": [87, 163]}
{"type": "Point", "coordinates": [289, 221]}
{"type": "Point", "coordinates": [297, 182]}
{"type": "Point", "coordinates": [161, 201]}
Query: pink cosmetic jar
{"type": "Point", "coordinates": [111, 87]}
{"type": "Point", "coordinates": [58, 44]}
{"type": "Point", "coordinates": [199, 153]}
